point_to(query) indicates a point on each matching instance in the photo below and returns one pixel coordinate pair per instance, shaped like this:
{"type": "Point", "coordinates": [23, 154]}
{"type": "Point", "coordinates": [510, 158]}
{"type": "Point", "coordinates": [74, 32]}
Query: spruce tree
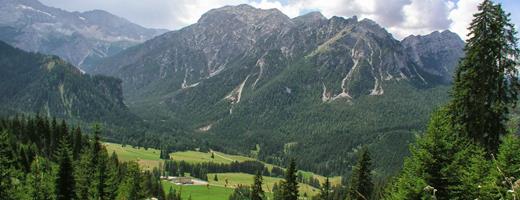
{"type": "Point", "coordinates": [65, 180]}
{"type": "Point", "coordinates": [442, 165]}
{"type": "Point", "coordinates": [8, 172]}
{"type": "Point", "coordinates": [257, 193]}
{"type": "Point", "coordinates": [360, 185]}
{"type": "Point", "coordinates": [40, 180]}
{"type": "Point", "coordinates": [290, 185]}
{"type": "Point", "coordinates": [325, 191]}
{"type": "Point", "coordinates": [506, 172]}
{"type": "Point", "coordinates": [112, 181]}
{"type": "Point", "coordinates": [77, 144]}
{"type": "Point", "coordinates": [486, 83]}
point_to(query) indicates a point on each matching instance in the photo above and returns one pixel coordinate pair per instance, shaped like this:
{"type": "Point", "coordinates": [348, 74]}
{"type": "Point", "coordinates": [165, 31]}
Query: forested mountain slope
{"type": "Point", "coordinates": [36, 83]}
{"type": "Point", "coordinates": [247, 79]}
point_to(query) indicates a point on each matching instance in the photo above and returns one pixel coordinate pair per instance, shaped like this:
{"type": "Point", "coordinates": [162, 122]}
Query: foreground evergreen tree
{"type": "Point", "coordinates": [486, 83]}
{"type": "Point", "coordinates": [360, 185]}
{"type": "Point", "coordinates": [442, 166]}
{"type": "Point", "coordinates": [507, 168]}
{"type": "Point", "coordinates": [290, 185]}
{"type": "Point", "coordinates": [130, 187]}
{"type": "Point", "coordinates": [257, 193]}
{"type": "Point", "coordinates": [65, 179]}
{"type": "Point", "coordinates": [40, 180]}
{"type": "Point", "coordinates": [9, 181]}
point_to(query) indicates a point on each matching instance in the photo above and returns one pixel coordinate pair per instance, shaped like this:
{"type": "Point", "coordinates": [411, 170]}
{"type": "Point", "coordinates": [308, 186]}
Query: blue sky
{"type": "Point", "coordinates": [400, 17]}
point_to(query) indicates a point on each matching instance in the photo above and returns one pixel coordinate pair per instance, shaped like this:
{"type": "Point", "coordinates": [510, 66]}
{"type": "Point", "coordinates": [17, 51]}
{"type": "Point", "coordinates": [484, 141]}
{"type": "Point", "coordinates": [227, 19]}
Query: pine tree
{"type": "Point", "coordinates": [112, 181]}
{"type": "Point", "coordinates": [290, 185]}
{"type": "Point", "coordinates": [171, 194]}
{"type": "Point", "coordinates": [40, 180]}
{"type": "Point", "coordinates": [277, 192]}
{"type": "Point", "coordinates": [84, 174]}
{"type": "Point", "coordinates": [8, 172]}
{"type": "Point", "coordinates": [506, 172]}
{"type": "Point", "coordinates": [77, 144]}
{"type": "Point", "coordinates": [325, 191]}
{"type": "Point", "coordinates": [65, 179]}
{"type": "Point", "coordinates": [130, 187]}
{"type": "Point", "coordinates": [486, 83]}
{"type": "Point", "coordinates": [360, 185]}
{"type": "Point", "coordinates": [442, 165]}
{"type": "Point", "coordinates": [257, 193]}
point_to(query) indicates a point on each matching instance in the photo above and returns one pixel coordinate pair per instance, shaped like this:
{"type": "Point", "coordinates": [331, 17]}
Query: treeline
{"type": "Point", "coordinates": [44, 159]}
{"type": "Point", "coordinates": [200, 170]}
{"type": "Point", "coordinates": [360, 185]}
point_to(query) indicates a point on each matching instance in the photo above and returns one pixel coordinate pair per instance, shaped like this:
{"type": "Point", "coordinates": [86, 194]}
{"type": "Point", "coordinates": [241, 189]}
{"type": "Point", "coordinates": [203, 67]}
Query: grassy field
{"type": "Point", "coordinates": [147, 159]}
{"type": "Point", "coordinates": [203, 157]}
{"type": "Point", "coordinates": [235, 179]}
{"type": "Point", "coordinates": [200, 192]}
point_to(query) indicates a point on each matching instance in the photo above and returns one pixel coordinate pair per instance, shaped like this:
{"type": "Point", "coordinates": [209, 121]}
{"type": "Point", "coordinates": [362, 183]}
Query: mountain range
{"type": "Point", "coordinates": [257, 82]}
{"type": "Point", "coordinates": [77, 37]}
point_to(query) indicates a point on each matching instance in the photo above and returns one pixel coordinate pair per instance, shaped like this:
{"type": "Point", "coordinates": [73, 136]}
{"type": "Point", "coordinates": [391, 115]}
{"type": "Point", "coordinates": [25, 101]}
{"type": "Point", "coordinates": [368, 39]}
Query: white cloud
{"type": "Point", "coordinates": [400, 17]}
{"type": "Point", "coordinates": [462, 15]}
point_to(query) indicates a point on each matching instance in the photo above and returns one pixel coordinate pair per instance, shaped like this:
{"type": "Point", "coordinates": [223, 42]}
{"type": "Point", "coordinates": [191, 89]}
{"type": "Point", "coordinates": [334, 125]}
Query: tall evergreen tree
{"type": "Point", "coordinates": [257, 193]}
{"type": "Point", "coordinates": [325, 191]}
{"type": "Point", "coordinates": [112, 181]}
{"type": "Point", "coordinates": [77, 143]}
{"type": "Point", "coordinates": [130, 187]}
{"type": "Point", "coordinates": [40, 180]}
{"type": "Point", "coordinates": [442, 165]}
{"type": "Point", "coordinates": [361, 185]}
{"type": "Point", "coordinates": [8, 172]}
{"type": "Point", "coordinates": [486, 83]}
{"type": "Point", "coordinates": [65, 179]}
{"type": "Point", "coordinates": [290, 185]}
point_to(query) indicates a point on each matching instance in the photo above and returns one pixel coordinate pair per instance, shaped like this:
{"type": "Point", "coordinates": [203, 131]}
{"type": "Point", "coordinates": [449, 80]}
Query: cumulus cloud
{"type": "Point", "coordinates": [400, 17]}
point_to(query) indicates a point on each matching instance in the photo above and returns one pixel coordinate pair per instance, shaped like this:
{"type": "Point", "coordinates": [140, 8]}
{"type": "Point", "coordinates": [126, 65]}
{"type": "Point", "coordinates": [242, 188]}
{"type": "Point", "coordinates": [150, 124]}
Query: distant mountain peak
{"type": "Point", "coordinates": [77, 37]}
{"type": "Point", "coordinates": [314, 16]}
{"type": "Point", "coordinates": [243, 12]}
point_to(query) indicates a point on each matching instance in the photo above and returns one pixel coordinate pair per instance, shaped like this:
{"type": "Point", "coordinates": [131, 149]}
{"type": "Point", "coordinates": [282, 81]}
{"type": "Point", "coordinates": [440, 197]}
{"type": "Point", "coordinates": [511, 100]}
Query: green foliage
{"type": "Point", "coordinates": [361, 186]}
{"type": "Point", "coordinates": [486, 82]}
{"type": "Point", "coordinates": [290, 185]}
{"type": "Point", "coordinates": [241, 193]}
{"type": "Point", "coordinates": [325, 191]}
{"type": "Point", "coordinates": [65, 180]}
{"type": "Point", "coordinates": [257, 193]}
{"type": "Point", "coordinates": [507, 168]}
{"type": "Point", "coordinates": [130, 187]}
{"type": "Point", "coordinates": [40, 180]}
{"type": "Point", "coordinates": [53, 173]}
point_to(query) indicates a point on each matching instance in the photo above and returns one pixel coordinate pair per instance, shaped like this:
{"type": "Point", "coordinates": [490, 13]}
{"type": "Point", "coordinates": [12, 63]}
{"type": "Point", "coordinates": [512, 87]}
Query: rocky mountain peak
{"type": "Point", "coordinates": [311, 17]}
{"type": "Point", "coordinates": [243, 13]}
{"type": "Point", "coordinates": [437, 53]}
{"type": "Point", "coordinates": [76, 37]}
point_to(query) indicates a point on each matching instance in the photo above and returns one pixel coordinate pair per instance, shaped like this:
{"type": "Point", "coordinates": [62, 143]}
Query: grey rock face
{"type": "Point", "coordinates": [77, 37]}
{"type": "Point", "coordinates": [352, 57]}
{"type": "Point", "coordinates": [437, 53]}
